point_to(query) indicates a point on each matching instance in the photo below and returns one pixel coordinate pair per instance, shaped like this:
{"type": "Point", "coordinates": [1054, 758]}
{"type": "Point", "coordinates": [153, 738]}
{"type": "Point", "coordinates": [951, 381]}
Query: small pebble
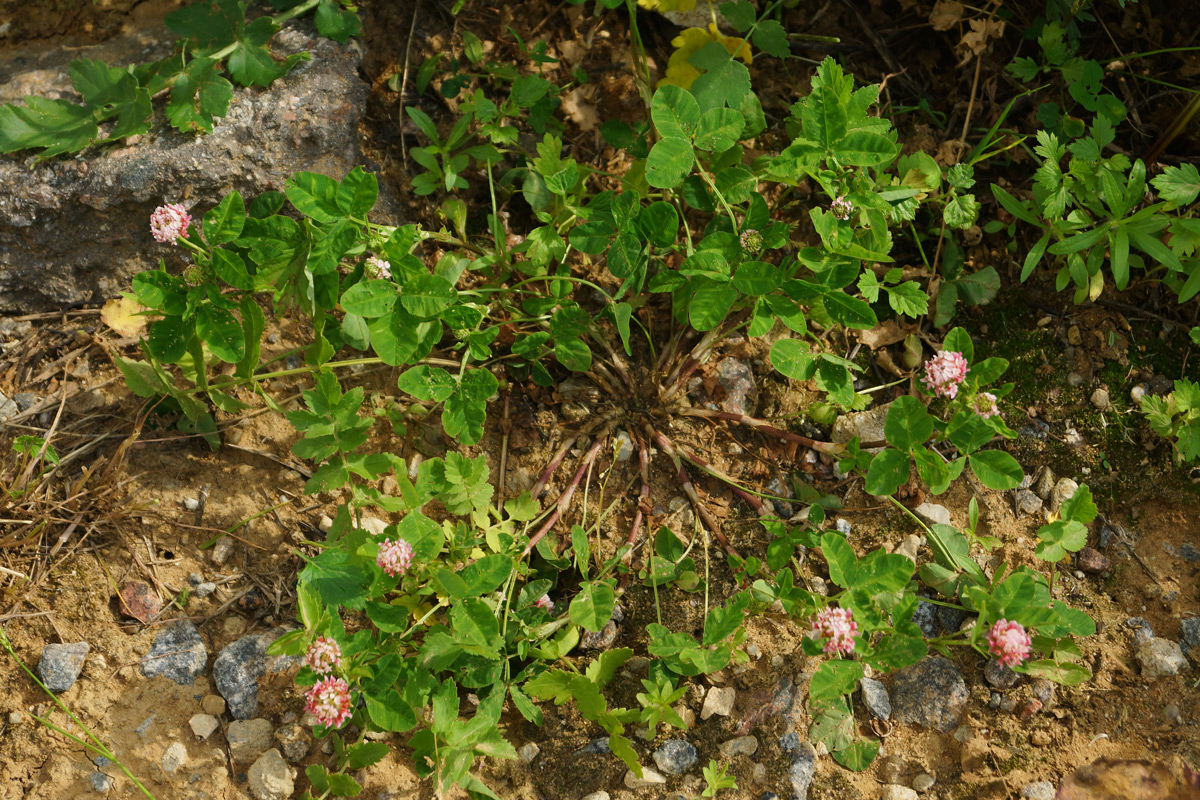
{"type": "Point", "coordinates": [100, 782]}
{"type": "Point", "coordinates": [924, 782]}
{"type": "Point", "coordinates": [649, 778]}
{"type": "Point", "coordinates": [1041, 790]}
{"type": "Point", "coordinates": [174, 758]}
{"type": "Point", "coordinates": [843, 526]}
{"type": "Point", "coordinates": [141, 730]}
{"type": "Point", "coordinates": [191, 503]}
{"type": "Point", "coordinates": [740, 746]}
{"type": "Point", "coordinates": [222, 551]}
{"type": "Point", "coordinates": [213, 704]}
{"type": "Point", "coordinates": [676, 756]}
{"type": "Point", "coordinates": [1100, 399]}
{"type": "Point", "coordinates": [205, 589]}
{"type": "Point", "coordinates": [1000, 676]}
{"type": "Point", "coordinates": [718, 701]}
{"type": "Point", "coordinates": [1160, 658]}
{"type": "Point", "coordinates": [203, 725]}
{"type": "Point", "coordinates": [529, 752]}
{"type": "Point", "coordinates": [1092, 561]}
{"type": "Point", "coordinates": [875, 698]}
{"type": "Point", "coordinates": [601, 795]}
{"type": "Point", "coordinates": [61, 664]}
{"type": "Point", "coordinates": [895, 792]}
{"type": "Point", "coordinates": [1040, 739]}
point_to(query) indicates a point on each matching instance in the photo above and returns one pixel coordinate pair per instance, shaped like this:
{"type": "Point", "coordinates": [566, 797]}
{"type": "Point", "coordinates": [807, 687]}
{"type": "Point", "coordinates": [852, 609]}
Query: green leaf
{"type": "Point", "coordinates": [858, 756]}
{"type": "Point", "coordinates": [1079, 506]}
{"type": "Point", "coordinates": [726, 81]}
{"type": "Point", "coordinates": [54, 126]}
{"type": "Point", "coordinates": [390, 712]}
{"type": "Point", "coordinates": [199, 96]}
{"type": "Point", "coordinates": [865, 149]}
{"type": "Point", "coordinates": [605, 667]}
{"type": "Point", "coordinates": [466, 407]}
{"type": "Point", "coordinates": [843, 564]}
{"type": "Point", "coordinates": [222, 332]}
{"type": "Point", "coordinates": [370, 298]}
{"type": "Point", "coordinates": [793, 358]}
{"type": "Point", "coordinates": [427, 296]}
{"type": "Point", "coordinates": [718, 129]}
{"type": "Point", "coordinates": [1067, 673]}
{"type": "Point", "coordinates": [674, 112]}
{"type": "Point", "coordinates": [669, 162]}
{"type": "Point", "coordinates": [996, 469]}
{"type": "Point", "coordinates": [756, 278]}
{"type": "Point", "coordinates": [230, 268]}
{"type": "Point", "coordinates": [427, 383]}
{"type": "Point", "coordinates": [335, 22]}
{"type": "Point", "coordinates": [711, 303]}
{"type": "Point", "coordinates": [593, 606]}
{"type": "Point", "coordinates": [832, 680]}
{"type": "Point", "coordinates": [724, 620]}
{"type": "Point", "coordinates": [475, 625]}
{"type": "Point", "coordinates": [848, 311]}
{"type": "Point", "coordinates": [315, 196]}
{"type": "Point", "coordinates": [1178, 186]}
{"type": "Point", "coordinates": [224, 222]}
{"type": "Point", "coordinates": [770, 37]}
{"type": "Point", "coordinates": [908, 425]}
{"type": "Point", "coordinates": [658, 224]}
{"type": "Point", "coordinates": [364, 754]}
{"type": "Point", "coordinates": [357, 193]}
{"type": "Point", "coordinates": [168, 339]}
{"type": "Point", "coordinates": [889, 471]}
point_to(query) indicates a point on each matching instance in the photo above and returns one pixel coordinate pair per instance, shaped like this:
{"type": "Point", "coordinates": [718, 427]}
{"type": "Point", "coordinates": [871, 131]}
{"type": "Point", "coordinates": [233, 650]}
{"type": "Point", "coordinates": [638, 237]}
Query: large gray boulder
{"type": "Point", "coordinates": [76, 229]}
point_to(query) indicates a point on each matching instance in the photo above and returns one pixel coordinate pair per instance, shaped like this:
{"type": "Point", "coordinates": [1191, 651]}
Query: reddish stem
{"type": "Point", "coordinates": [565, 498]}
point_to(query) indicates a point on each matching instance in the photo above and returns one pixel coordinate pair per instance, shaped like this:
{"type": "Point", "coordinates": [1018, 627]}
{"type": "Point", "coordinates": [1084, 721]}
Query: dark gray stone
{"type": "Point", "coordinates": [61, 664]}
{"type": "Point", "coordinates": [676, 756]}
{"type": "Point", "coordinates": [1142, 632]}
{"type": "Point", "coordinates": [236, 672]}
{"type": "Point", "coordinates": [931, 694]}
{"type": "Point", "coordinates": [779, 488]}
{"type": "Point", "coordinates": [1189, 636]}
{"type": "Point", "coordinates": [178, 654]}
{"type": "Point", "coordinates": [1000, 676]}
{"type": "Point", "coordinates": [1187, 549]}
{"type": "Point", "coordinates": [951, 619]}
{"type": "Point", "coordinates": [926, 618]}
{"type": "Point", "coordinates": [875, 698]}
{"type": "Point", "coordinates": [803, 764]}
{"type": "Point", "coordinates": [596, 747]}
{"type": "Point", "coordinates": [77, 229]}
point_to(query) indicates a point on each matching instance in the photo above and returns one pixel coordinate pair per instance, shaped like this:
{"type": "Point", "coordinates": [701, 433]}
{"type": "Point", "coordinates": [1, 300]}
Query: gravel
{"type": "Point", "coordinates": [1062, 492]}
{"type": "Point", "coordinates": [933, 513]}
{"type": "Point", "coordinates": [895, 792]}
{"type": "Point", "coordinates": [1092, 561]}
{"type": "Point", "coordinates": [100, 782]}
{"type": "Point", "coordinates": [875, 698]}
{"type": "Point", "coordinates": [931, 694]}
{"type": "Point", "coordinates": [649, 778]}
{"type": "Point", "coordinates": [270, 778]}
{"type": "Point", "coordinates": [1189, 636]}
{"type": "Point", "coordinates": [676, 756]}
{"type": "Point", "coordinates": [924, 782]}
{"type": "Point", "coordinates": [295, 742]}
{"type": "Point", "coordinates": [737, 380]}
{"type": "Point", "coordinates": [1041, 790]}
{"type": "Point", "coordinates": [178, 654]}
{"type": "Point", "coordinates": [529, 752]}
{"type": "Point", "coordinates": [203, 725]}
{"type": "Point", "coordinates": [1160, 658]}
{"type": "Point", "coordinates": [1142, 632]}
{"type": "Point", "coordinates": [61, 664]}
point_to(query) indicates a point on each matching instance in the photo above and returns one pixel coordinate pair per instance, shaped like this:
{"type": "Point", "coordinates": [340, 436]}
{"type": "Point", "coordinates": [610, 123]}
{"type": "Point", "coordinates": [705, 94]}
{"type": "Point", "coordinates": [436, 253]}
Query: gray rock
{"type": "Point", "coordinates": [1036, 429]}
{"type": "Point", "coordinates": [222, 551]}
{"type": "Point", "coordinates": [1100, 399]}
{"type": "Point", "coordinates": [295, 742]}
{"type": "Point", "coordinates": [1001, 676]}
{"type": "Point", "coordinates": [77, 229]}
{"type": "Point", "coordinates": [205, 589]}
{"type": "Point", "coordinates": [739, 746]}
{"type": "Point", "coordinates": [866, 425]}
{"type": "Point", "coordinates": [26, 400]}
{"type": "Point", "coordinates": [1142, 632]}
{"type": "Point", "coordinates": [1027, 502]}
{"type": "Point", "coordinates": [1189, 636]}
{"type": "Point", "coordinates": [779, 488]}
{"type": "Point", "coordinates": [61, 664]}
{"type": "Point", "coordinates": [1041, 790]}
{"type": "Point", "coordinates": [270, 778]}
{"type": "Point", "coordinates": [1187, 549]}
{"type": "Point", "coordinates": [236, 672]}
{"type": "Point", "coordinates": [951, 619]}
{"type": "Point", "coordinates": [676, 756]}
{"type": "Point", "coordinates": [178, 654]}
{"type": "Point", "coordinates": [623, 445]}
{"type": "Point", "coordinates": [203, 725]}
{"type": "Point", "coordinates": [596, 747]}
{"type": "Point", "coordinates": [737, 380]}
{"type": "Point", "coordinates": [803, 764]}
{"type": "Point", "coordinates": [1062, 492]}
{"type": "Point", "coordinates": [8, 408]}
{"type": "Point", "coordinates": [529, 752]}
{"type": "Point", "coordinates": [649, 779]}
{"type": "Point", "coordinates": [895, 792]}
{"type": "Point", "coordinates": [600, 795]}
{"type": "Point", "coordinates": [1160, 658]}
{"type": "Point", "coordinates": [931, 694]}
{"type": "Point", "coordinates": [144, 728]}
{"type": "Point", "coordinates": [933, 513]}
{"type": "Point", "coordinates": [1044, 691]}
{"type": "Point", "coordinates": [719, 701]}
{"type": "Point", "coordinates": [1044, 483]}
{"type": "Point", "coordinates": [248, 739]}
{"type": "Point", "coordinates": [924, 782]}
{"type": "Point", "coordinates": [926, 618]}
{"type": "Point", "coordinates": [875, 698]}
{"type": "Point", "coordinates": [174, 758]}
{"type": "Point", "coordinates": [100, 783]}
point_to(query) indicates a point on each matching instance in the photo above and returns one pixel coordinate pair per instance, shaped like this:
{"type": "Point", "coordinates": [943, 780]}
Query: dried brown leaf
{"type": "Point", "coordinates": [883, 334]}
{"type": "Point", "coordinates": [945, 14]}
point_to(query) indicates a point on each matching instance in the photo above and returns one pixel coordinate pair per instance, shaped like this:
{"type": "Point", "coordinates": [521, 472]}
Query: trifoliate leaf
{"type": "Point", "coordinates": [680, 69]}
{"type": "Point", "coordinates": [199, 96]}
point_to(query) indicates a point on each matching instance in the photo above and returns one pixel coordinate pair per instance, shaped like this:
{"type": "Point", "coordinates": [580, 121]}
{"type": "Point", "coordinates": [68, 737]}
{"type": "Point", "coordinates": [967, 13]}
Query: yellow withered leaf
{"type": "Point", "coordinates": [680, 72]}
{"type": "Point", "coordinates": [124, 316]}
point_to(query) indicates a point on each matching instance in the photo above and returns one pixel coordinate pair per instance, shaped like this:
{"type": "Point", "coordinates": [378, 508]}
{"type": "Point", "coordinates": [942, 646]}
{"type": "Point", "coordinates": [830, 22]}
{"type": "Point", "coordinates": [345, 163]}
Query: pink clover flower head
{"type": "Point", "coordinates": [751, 240]}
{"type": "Point", "coordinates": [545, 603]}
{"type": "Point", "coordinates": [838, 626]}
{"type": "Point", "coordinates": [324, 655]}
{"type": "Point", "coordinates": [1009, 643]}
{"type": "Point", "coordinates": [329, 701]}
{"type": "Point", "coordinates": [841, 207]}
{"type": "Point", "coordinates": [394, 557]}
{"type": "Point", "coordinates": [985, 405]}
{"type": "Point", "coordinates": [944, 372]}
{"type": "Point", "coordinates": [169, 223]}
{"type": "Point", "coordinates": [376, 267]}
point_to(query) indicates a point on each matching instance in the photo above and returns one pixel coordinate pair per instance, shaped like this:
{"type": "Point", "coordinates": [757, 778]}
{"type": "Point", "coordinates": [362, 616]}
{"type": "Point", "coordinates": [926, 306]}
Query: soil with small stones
{"type": "Point", "coordinates": [138, 500]}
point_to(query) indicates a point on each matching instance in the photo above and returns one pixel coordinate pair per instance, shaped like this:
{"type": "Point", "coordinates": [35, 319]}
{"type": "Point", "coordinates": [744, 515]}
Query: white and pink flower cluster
{"type": "Point", "coordinates": [169, 223]}
{"type": "Point", "coordinates": [329, 701]}
{"type": "Point", "coordinates": [944, 372]}
{"type": "Point", "coordinates": [323, 656]}
{"type": "Point", "coordinates": [837, 625]}
{"type": "Point", "coordinates": [1009, 643]}
{"type": "Point", "coordinates": [545, 603]}
{"type": "Point", "coordinates": [841, 208]}
{"type": "Point", "coordinates": [985, 405]}
{"type": "Point", "coordinates": [395, 557]}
